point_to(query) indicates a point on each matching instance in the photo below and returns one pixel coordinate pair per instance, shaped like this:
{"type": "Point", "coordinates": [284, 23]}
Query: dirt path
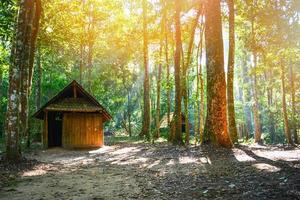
{"type": "Point", "coordinates": [142, 171]}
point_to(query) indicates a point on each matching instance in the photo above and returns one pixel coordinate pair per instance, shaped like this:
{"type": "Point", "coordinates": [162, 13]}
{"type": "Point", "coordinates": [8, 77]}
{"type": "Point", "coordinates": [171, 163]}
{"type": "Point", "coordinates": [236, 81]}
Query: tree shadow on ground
{"type": "Point", "coordinates": [162, 171]}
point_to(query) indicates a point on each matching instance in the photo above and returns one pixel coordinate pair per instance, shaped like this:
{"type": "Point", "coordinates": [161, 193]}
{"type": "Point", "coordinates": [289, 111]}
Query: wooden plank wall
{"type": "Point", "coordinates": [82, 130]}
{"type": "Point", "coordinates": [45, 132]}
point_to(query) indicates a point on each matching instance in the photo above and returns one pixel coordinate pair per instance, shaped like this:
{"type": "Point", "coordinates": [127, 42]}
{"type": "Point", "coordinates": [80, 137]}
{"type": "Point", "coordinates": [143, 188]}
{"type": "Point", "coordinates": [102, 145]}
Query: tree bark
{"type": "Point", "coordinates": [24, 91]}
{"type": "Point", "coordinates": [255, 107]}
{"type": "Point", "coordinates": [13, 150]}
{"type": "Point", "coordinates": [216, 122]}
{"type": "Point", "coordinates": [91, 42]}
{"type": "Point", "coordinates": [246, 96]}
{"type": "Point", "coordinates": [269, 79]}
{"type": "Point", "coordinates": [256, 115]}
{"type": "Point", "coordinates": [39, 80]}
{"type": "Point", "coordinates": [1, 111]}
{"type": "Point", "coordinates": [146, 119]}
{"type": "Point", "coordinates": [159, 71]}
{"type": "Point", "coordinates": [293, 94]}
{"type": "Point", "coordinates": [185, 76]}
{"type": "Point", "coordinates": [34, 34]}
{"type": "Point", "coordinates": [230, 76]}
{"type": "Point", "coordinates": [287, 130]}
{"type": "Point", "coordinates": [177, 114]}
{"type": "Point", "coordinates": [22, 56]}
{"type": "Point", "coordinates": [199, 113]}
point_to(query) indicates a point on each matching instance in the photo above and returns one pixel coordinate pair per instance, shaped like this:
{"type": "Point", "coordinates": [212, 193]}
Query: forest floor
{"type": "Point", "coordinates": [155, 171]}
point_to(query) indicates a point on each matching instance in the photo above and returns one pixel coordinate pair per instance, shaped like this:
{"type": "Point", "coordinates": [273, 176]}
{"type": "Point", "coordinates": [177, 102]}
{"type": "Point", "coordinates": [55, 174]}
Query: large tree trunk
{"type": "Point", "coordinates": [230, 76]}
{"type": "Point", "coordinates": [22, 55]}
{"type": "Point", "coordinates": [146, 114]}
{"type": "Point", "coordinates": [177, 114]}
{"type": "Point", "coordinates": [293, 94]}
{"type": "Point", "coordinates": [284, 110]}
{"type": "Point", "coordinates": [216, 121]}
{"type": "Point", "coordinates": [24, 91]}
{"type": "Point", "coordinates": [13, 151]}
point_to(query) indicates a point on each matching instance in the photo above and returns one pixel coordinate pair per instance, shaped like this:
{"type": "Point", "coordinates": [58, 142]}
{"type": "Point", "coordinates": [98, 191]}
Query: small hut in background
{"type": "Point", "coordinates": [73, 119]}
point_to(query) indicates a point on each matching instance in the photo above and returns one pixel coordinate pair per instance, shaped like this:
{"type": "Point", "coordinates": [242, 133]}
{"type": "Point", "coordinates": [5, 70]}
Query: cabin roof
{"type": "Point", "coordinates": [73, 98]}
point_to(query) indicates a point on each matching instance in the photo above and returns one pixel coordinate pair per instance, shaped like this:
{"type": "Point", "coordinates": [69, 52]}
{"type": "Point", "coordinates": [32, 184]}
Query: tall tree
{"type": "Point", "coordinates": [216, 120]}
{"type": "Point", "coordinates": [255, 108]}
{"type": "Point", "coordinates": [256, 115]}
{"type": "Point", "coordinates": [230, 76]}
{"type": "Point", "coordinates": [185, 75]}
{"type": "Point", "coordinates": [167, 66]}
{"type": "Point", "coordinates": [22, 49]}
{"type": "Point", "coordinates": [269, 79]}
{"type": "Point", "coordinates": [177, 57]}
{"type": "Point", "coordinates": [146, 113]}
{"type": "Point", "coordinates": [287, 130]}
{"type": "Point", "coordinates": [159, 71]}
{"type": "Point", "coordinates": [293, 94]}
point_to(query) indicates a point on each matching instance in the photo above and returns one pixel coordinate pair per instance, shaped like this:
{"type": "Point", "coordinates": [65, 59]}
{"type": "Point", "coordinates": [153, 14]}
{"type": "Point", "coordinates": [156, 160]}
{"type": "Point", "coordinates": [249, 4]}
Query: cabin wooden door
{"type": "Point", "coordinates": [54, 129]}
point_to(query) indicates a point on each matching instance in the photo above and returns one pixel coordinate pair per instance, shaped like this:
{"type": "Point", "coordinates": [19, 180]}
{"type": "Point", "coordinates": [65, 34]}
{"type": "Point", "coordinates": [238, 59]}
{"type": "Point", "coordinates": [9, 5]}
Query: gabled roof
{"type": "Point", "coordinates": [73, 98]}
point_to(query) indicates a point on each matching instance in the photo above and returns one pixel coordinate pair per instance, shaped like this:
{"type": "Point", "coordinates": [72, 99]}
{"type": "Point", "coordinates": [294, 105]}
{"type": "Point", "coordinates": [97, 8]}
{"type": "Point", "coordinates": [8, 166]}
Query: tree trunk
{"type": "Point", "coordinates": [199, 93]}
{"type": "Point", "coordinates": [185, 75]}
{"type": "Point", "coordinates": [256, 116]}
{"type": "Point", "coordinates": [34, 34]}
{"type": "Point", "coordinates": [246, 96]}
{"type": "Point", "coordinates": [293, 94]}
{"type": "Point", "coordinates": [284, 111]}
{"type": "Point", "coordinates": [22, 55]}
{"type": "Point", "coordinates": [170, 138]}
{"type": "Point", "coordinates": [1, 111]}
{"type": "Point", "coordinates": [129, 114]}
{"type": "Point", "coordinates": [39, 85]}
{"type": "Point", "coordinates": [230, 76]}
{"type": "Point", "coordinates": [157, 117]}
{"type": "Point", "coordinates": [39, 80]}
{"type": "Point", "coordinates": [91, 41]}
{"type": "Point", "coordinates": [24, 91]}
{"type": "Point", "coordinates": [82, 63]}
{"type": "Point", "coordinates": [177, 114]}
{"type": "Point", "coordinates": [216, 121]}
{"type": "Point", "coordinates": [269, 79]}
{"type": "Point", "coordinates": [13, 150]}
{"type": "Point", "coordinates": [146, 118]}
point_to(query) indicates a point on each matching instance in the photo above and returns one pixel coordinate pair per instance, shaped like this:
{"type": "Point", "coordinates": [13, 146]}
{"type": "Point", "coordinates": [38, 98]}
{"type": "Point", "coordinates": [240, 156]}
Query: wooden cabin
{"type": "Point", "coordinates": [73, 119]}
